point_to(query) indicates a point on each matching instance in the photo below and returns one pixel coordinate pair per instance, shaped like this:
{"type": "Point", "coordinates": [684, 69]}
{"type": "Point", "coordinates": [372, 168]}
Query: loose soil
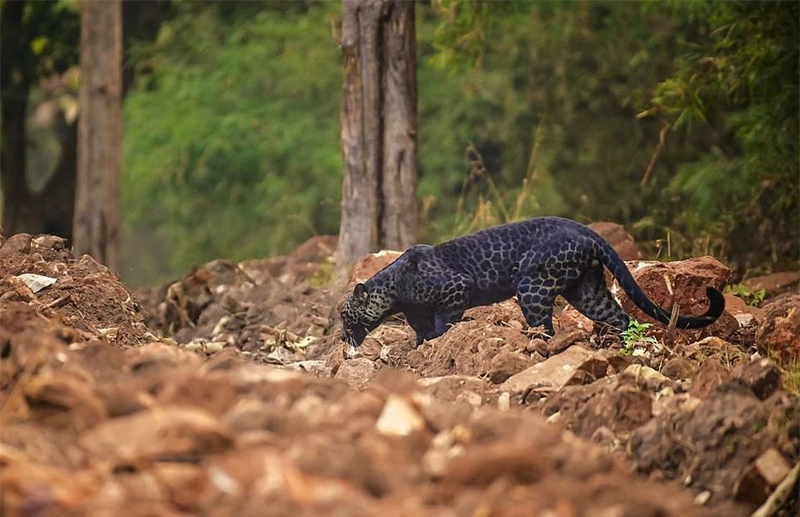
{"type": "Point", "coordinates": [228, 392]}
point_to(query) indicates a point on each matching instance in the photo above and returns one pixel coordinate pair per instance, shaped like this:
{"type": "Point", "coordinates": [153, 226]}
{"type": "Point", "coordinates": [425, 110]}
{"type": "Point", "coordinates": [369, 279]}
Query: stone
{"type": "Point", "coordinates": [63, 401]}
{"type": "Point", "coordinates": [778, 335]}
{"type": "Point", "coordinates": [357, 372]}
{"type": "Point", "coordinates": [739, 309]}
{"type": "Point", "coordinates": [710, 375]}
{"type": "Point", "coordinates": [505, 364]}
{"type": "Point", "coordinates": [682, 281]}
{"type": "Point", "coordinates": [19, 244]}
{"type": "Point", "coordinates": [761, 477]}
{"type": "Point", "coordinates": [448, 387]}
{"type": "Point", "coordinates": [559, 370]}
{"type": "Point", "coordinates": [399, 418]}
{"type": "Point", "coordinates": [761, 375]}
{"type": "Point", "coordinates": [570, 319]}
{"type": "Point", "coordinates": [161, 434]}
{"type": "Point", "coordinates": [775, 283]}
{"type": "Point", "coordinates": [646, 377]}
{"type": "Point", "coordinates": [679, 368]}
{"type": "Point", "coordinates": [563, 340]}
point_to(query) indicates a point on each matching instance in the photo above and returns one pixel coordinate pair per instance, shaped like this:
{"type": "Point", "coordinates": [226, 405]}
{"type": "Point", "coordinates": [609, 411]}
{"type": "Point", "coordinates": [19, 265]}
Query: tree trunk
{"type": "Point", "coordinates": [18, 205]}
{"type": "Point", "coordinates": [378, 128]}
{"type": "Point", "coordinates": [399, 181]}
{"type": "Point", "coordinates": [96, 225]}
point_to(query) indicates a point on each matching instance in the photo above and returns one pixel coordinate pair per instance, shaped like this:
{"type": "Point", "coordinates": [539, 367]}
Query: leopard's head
{"type": "Point", "coordinates": [362, 311]}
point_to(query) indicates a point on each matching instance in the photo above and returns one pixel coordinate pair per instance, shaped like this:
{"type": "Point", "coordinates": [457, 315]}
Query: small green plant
{"type": "Point", "coordinates": [750, 297]}
{"type": "Point", "coordinates": [635, 335]}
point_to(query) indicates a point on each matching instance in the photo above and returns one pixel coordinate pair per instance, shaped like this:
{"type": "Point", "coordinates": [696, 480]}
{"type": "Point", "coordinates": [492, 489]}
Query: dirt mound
{"type": "Point", "coordinates": [83, 293]}
{"type": "Point", "coordinates": [101, 431]}
{"type": "Point", "coordinates": [271, 309]}
{"type": "Point", "coordinates": [487, 419]}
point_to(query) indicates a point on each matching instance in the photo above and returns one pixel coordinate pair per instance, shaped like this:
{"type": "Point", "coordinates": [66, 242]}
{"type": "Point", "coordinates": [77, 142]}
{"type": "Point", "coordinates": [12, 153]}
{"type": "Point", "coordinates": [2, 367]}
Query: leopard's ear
{"type": "Point", "coordinates": [360, 291]}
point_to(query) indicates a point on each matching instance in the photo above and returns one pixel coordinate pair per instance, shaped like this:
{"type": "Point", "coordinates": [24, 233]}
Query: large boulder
{"type": "Point", "coordinates": [779, 334]}
{"type": "Point", "coordinates": [682, 281]}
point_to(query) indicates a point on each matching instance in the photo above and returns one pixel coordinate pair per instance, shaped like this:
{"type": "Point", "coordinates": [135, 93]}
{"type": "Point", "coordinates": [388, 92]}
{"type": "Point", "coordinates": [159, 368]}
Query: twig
{"type": "Point", "coordinates": [669, 335]}
{"type": "Point", "coordinates": [660, 147]}
{"type": "Point", "coordinates": [55, 304]}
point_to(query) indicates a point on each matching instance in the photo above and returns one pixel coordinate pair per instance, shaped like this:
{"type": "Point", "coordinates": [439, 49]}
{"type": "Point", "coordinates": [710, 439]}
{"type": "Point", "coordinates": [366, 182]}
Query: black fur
{"type": "Point", "coordinates": [536, 260]}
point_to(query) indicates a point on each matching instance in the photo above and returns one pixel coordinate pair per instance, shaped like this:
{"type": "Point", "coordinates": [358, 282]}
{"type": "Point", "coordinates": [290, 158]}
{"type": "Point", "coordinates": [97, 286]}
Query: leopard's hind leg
{"type": "Point", "coordinates": [543, 274]}
{"type": "Point", "coordinates": [590, 296]}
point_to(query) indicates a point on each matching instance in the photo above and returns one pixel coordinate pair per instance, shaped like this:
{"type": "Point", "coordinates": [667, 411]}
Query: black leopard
{"type": "Point", "coordinates": [536, 260]}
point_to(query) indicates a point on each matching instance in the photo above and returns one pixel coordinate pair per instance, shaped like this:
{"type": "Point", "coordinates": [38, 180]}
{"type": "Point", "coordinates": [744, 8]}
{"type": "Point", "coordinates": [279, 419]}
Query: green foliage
{"type": "Point", "coordinates": [739, 82]}
{"type": "Point", "coordinates": [751, 297]}
{"type": "Point", "coordinates": [636, 336]}
{"type": "Point", "coordinates": [231, 134]}
{"type": "Point", "coordinates": [658, 115]}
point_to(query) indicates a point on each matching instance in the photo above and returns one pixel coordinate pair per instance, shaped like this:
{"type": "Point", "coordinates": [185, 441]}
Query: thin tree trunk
{"type": "Point", "coordinates": [378, 128]}
{"type": "Point", "coordinates": [399, 220]}
{"type": "Point", "coordinates": [18, 207]}
{"type": "Point", "coordinates": [96, 226]}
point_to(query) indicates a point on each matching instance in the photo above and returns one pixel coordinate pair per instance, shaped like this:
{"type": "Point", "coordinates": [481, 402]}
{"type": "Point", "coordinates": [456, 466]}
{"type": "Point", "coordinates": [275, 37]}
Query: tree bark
{"type": "Point", "coordinates": [18, 206]}
{"type": "Point", "coordinates": [96, 225]}
{"type": "Point", "coordinates": [378, 128]}
{"type": "Point", "coordinates": [399, 221]}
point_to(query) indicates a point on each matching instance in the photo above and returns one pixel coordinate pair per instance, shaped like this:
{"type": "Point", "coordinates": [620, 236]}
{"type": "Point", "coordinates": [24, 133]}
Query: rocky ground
{"type": "Point", "coordinates": [227, 392]}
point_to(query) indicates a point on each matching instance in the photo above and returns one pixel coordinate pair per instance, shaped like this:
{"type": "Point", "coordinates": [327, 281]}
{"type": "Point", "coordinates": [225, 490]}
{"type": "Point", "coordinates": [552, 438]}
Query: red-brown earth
{"type": "Point", "coordinates": [228, 392]}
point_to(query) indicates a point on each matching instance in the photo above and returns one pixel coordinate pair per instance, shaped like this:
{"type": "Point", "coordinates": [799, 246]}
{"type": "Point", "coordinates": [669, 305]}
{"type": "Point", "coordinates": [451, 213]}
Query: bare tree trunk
{"type": "Point", "coordinates": [96, 226]}
{"type": "Point", "coordinates": [18, 206]}
{"type": "Point", "coordinates": [378, 128]}
{"type": "Point", "coordinates": [399, 221]}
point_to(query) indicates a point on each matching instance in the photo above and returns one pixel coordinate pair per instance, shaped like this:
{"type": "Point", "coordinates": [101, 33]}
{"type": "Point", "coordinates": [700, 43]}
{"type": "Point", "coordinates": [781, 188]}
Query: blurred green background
{"type": "Point", "coordinates": [678, 119]}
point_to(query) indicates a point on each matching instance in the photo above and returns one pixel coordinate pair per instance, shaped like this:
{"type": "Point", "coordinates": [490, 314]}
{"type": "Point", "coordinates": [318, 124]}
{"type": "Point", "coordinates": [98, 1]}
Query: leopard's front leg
{"type": "Point", "coordinates": [423, 324]}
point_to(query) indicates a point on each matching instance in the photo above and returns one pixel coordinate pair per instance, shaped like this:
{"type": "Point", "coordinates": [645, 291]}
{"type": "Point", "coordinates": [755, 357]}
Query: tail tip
{"type": "Point", "coordinates": [716, 302]}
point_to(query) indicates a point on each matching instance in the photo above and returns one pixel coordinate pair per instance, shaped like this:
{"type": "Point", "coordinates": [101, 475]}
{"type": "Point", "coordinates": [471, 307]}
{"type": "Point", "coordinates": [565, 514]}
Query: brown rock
{"type": "Point", "coordinates": [761, 477]}
{"type": "Point", "coordinates": [559, 370]}
{"type": "Point", "coordinates": [710, 375]}
{"type": "Point", "coordinates": [212, 392]}
{"type": "Point", "coordinates": [739, 309]}
{"type": "Point", "coordinates": [29, 486]}
{"type": "Point", "coordinates": [619, 239]}
{"type": "Point", "coordinates": [357, 372]}
{"type": "Point", "coordinates": [570, 319]}
{"type": "Point", "coordinates": [399, 417]}
{"type": "Point", "coordinates": [316, 249]}
{"type": "Point", "coordinates": [613, 402]}
{"type": "Point", "coordinates": [448, 387]}
{"type": "Point", "coordinates": [537, 345]}
{"type": "Point", "coordinates": [774, 284]}
{"type": "Point", "coordinates": [683, 281]}
{"type": "Point", "coordinates": [62, 401]}
{"type": "Point", "coordinates": [505, 364]}
{"type": "Point", "coordinates": [679, 368]}
{"type": "Point", "coordinates": [371, 264]}
{"type": "Point", "coordinates": [19, 244]}
{"type": "Point", "coordinates": [779, 334]}
{"type": "Point", "coordinates": [761, 375]}
{"type": "Point", "coordinates": [12, 289]}
{"type": "Point", "coordinates": [163, 433]}
{"type": "Point", "coordinates": [480, 466]}
{"type": "Point", "coordinates": [563, 340]}
{"type": "Point", "coordinates": [647, 378]}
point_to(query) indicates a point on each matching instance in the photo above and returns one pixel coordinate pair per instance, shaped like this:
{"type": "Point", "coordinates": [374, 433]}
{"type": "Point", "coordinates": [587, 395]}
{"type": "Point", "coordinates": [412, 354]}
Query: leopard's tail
{"type": "Point", "coordinates": [611, 259]}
